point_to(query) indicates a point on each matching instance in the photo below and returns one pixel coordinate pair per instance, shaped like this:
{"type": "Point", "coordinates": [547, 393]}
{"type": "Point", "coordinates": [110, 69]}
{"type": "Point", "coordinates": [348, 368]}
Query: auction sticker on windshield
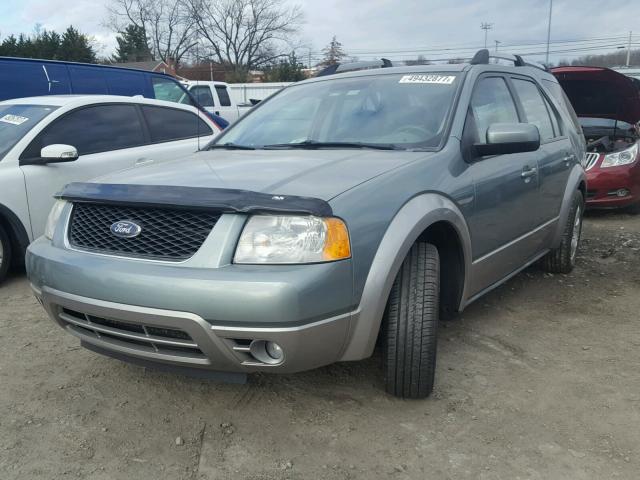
{"type": "Point", "coordinates": [13, 119]}
{"type": "Point", "coordinates": [437, 79]}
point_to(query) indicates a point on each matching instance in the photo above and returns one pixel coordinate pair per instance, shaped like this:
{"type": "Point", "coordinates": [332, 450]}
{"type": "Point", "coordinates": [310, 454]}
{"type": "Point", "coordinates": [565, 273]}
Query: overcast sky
{"type": "Point", "coordinates": [398, 29]}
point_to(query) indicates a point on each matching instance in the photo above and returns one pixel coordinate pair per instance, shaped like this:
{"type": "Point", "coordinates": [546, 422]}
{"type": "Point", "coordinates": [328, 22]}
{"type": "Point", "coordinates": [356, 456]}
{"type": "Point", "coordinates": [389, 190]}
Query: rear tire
{"type": "Point", "coordinates": [563, 258]}
{"type": "Point", "coordinates": [411, 324]}
{"type": "Point", "coordinates": [5, 253]}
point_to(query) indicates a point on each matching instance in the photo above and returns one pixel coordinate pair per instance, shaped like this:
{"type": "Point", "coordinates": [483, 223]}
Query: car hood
{"type": "Point", "coordinates": [321, 174]}
{"type": "Point", "coordinates": [597, 92]}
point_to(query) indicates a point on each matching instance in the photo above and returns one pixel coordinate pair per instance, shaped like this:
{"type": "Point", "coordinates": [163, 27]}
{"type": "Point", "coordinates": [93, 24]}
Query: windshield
{"type": "Point", "coordinates": [17, 120]}
{"type": "Point", "coordinates": [399, 110]}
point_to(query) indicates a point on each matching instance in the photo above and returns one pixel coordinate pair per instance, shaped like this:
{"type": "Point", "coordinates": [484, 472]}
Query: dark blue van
{"type": "Point", "coordinates": [25, 77]}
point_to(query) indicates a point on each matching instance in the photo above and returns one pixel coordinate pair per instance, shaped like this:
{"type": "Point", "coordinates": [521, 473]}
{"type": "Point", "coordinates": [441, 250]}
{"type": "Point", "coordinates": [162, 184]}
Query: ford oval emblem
{"type": "Point", "coordinates": [125, 229]}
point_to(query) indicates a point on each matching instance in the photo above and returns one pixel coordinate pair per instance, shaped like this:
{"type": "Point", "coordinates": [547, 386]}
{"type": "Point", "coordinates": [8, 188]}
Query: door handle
{"type": "Point", "coordinates": [529, 172]}
{"type": "Point", "coordinates": [568, 159]}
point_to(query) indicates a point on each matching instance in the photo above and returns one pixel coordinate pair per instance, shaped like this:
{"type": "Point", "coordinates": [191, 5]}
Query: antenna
{"type": "Point", "coordinates": [198, 107]}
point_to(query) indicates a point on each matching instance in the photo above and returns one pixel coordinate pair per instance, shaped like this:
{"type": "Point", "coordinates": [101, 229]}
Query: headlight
{"type": "Point", "coordinates": [292, 239]}
{"type": "Point", "coordinates": [54, 216]}
{"type": "Point", "coordinates": [625, 157]}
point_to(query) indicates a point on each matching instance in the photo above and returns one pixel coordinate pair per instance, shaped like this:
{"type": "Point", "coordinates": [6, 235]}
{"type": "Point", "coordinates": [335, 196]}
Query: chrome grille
{"type": "Point", "coordinates": [148, 338]}
{"type": "Point", "coordinates": [167, 234]}
{"type": "Point", "coordinates": [590, 159]}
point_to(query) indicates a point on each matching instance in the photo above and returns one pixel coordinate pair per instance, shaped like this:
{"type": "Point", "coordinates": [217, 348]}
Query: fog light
{"type": "Point", "coordinates": [267, 352]}
{"type": "Point", "coordinates": [274, 350]}
{"type": "Point", "coordinates": [623, 192]}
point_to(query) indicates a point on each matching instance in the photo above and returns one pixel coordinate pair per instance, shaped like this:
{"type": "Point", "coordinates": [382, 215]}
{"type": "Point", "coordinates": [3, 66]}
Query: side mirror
{"type": "Point", "coordinates": [59, 153]}
{"type": "Point", "coordinates": [505, 138]}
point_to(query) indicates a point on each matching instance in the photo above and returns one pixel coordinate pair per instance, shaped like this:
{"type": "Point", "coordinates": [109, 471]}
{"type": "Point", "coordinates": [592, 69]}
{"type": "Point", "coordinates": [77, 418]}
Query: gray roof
{"type": "Point", "coordinates": [149, 65]}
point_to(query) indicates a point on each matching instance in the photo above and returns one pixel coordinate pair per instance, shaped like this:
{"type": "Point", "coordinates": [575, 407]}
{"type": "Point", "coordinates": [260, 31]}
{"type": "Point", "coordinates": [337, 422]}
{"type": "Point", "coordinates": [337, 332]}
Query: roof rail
{"type": "Point", "coordinates": [483, 56]}
{"type": "Point", "coordinates": [354, 66]}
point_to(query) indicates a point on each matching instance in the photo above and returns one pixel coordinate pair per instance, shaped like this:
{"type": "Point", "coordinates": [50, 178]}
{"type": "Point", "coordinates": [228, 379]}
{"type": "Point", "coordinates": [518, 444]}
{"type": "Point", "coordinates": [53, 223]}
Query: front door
{"type": "Point", "coordinates": [506, 188]}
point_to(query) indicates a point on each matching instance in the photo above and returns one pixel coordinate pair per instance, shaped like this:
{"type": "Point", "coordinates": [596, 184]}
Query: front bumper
{"type": "Point", "coordinates": [604, 183]}
{"type": "Point", "coordinates": [204, 346]}
{"type": "Point", "coordinates": [189, 316]}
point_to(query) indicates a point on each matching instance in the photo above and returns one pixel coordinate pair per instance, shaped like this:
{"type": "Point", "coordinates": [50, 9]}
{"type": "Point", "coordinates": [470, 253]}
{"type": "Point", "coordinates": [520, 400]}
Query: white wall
{"type": "Point", "coordinates": [243, 92]}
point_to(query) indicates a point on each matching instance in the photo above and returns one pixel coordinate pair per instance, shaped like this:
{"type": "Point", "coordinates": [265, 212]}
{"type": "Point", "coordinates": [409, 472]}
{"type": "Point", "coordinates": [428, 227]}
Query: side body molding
{"type": "Point", "coordinates": [576, 177]}
{"type": "Point", "coordinates": [410, 221]}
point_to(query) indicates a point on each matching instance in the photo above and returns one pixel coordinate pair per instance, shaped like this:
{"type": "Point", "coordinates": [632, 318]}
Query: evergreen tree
{"type": "Point", "coordinates": [133, 45]}
{"type": "Point", "coordinates": [333, 53]}
{"type": "Point", "coordinates": [48, 45]}
{"type": "Point", "coordinates": [288, 70]}
{"type": "Point", "coordinates": [75, 47]}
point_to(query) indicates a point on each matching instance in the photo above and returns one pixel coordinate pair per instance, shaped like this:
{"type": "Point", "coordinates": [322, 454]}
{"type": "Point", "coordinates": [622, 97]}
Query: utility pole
{"type": "Point", "coordinates": [486, 27]}
{"type": "Point", "coordinates": [629, 50]}
{"type": "Point", "coordinates": [549, 30]}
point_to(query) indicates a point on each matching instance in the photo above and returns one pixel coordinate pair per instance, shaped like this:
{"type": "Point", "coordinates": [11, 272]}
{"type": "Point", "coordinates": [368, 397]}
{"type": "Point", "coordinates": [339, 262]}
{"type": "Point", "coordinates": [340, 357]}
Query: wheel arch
{"type": "Point", "coordinates": [429, 216]}
{"type": "Point", "coordinates": [577, 181]}
{"type": "Point", "coordinates": [15, 229]}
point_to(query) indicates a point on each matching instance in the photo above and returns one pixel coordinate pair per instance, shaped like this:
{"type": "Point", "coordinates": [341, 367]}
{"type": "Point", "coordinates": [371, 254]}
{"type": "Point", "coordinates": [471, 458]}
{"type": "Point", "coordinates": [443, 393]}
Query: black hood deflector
{"type": "Point", "coordinates": [194, 198]}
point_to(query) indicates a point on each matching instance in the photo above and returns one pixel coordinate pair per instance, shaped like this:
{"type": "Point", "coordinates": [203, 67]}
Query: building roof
{"type": "Point", "coordinates": [150, 65]}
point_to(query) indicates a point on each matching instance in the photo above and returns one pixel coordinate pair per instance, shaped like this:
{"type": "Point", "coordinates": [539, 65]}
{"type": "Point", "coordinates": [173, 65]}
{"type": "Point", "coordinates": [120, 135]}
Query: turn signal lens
{"type": "Point", "coordinates": [336, 246]}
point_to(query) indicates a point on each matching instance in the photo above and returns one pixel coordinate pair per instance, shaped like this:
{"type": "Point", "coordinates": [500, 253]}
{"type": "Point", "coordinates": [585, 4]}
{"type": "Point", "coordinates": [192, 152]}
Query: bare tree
{"type": "Point", "coordinates": [168, 23]}
{"type": "Point", "coordinates": [246, 34]}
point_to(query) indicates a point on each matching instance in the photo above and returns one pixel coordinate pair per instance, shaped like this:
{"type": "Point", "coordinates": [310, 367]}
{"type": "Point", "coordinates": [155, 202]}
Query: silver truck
{"type": "Point", "coordinates": [325, 221]}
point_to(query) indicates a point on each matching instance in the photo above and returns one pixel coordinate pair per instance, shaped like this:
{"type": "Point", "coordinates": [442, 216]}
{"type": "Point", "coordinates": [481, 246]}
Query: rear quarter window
{"type": "Point", "coordinates": [563, 102]}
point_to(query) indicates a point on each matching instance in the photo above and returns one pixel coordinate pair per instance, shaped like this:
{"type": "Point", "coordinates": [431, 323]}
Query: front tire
{"type": "Point", "coordinates": [411, 324]}
{"type": "Point", "coordinates": [563, 258]}
{"type": "Point", "coordinates": [5, 253]}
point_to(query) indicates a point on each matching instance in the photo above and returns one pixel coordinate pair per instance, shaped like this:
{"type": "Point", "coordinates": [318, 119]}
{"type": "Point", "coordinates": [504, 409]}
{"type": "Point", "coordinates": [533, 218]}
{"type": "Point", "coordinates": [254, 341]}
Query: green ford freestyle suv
{"type": "Point", "coordinates": [346, 210]}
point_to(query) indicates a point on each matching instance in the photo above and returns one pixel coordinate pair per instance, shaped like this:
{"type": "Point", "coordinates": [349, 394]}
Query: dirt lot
{"type": "Point", "coordinates": [539, 380]}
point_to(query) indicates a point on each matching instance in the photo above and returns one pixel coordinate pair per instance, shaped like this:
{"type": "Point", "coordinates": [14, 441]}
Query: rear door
{"type": "Point", "coordinates": [108, 137]}
{"type": "Point", "coordinates": [557, 157]}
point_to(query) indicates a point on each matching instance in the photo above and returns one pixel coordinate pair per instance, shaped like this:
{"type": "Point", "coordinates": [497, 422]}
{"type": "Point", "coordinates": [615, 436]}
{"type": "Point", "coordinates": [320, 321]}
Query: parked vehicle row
{"type": "Point", "coordinates": [48, 142]}
{"type": "Point", "coordinates": [344, 211]}
{"type": "Point", "coordinates": [26, 77]}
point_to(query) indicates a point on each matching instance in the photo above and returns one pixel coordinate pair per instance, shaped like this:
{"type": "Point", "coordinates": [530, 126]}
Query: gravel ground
{"type": "Point", "coordinates": [538, 380]}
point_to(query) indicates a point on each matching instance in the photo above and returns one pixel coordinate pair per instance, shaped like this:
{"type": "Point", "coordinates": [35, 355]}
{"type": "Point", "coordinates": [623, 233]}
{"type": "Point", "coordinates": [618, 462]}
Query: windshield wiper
{"type": "Point", "coordinates": [313, 144]}
{"type": "Point", "coordinates": [230, 146]}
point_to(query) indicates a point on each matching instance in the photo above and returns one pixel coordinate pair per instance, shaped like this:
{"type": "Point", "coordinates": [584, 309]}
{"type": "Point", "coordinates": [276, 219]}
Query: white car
{"type": "Point", "coordinates": [48, 142]}
{"type": "Point", "coordinates": [215, 98]}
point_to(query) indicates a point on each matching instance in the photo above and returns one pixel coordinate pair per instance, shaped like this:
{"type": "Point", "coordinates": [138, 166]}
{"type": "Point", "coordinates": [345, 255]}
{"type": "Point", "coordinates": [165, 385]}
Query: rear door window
{"type": "Point", "coordinates": [223, 95]}
{"type": "Point", "coordinates": [95, 129]}
{"type": "Point", "coordinates": [168, 124]}
{"type": "Point", "coordinates": [535, 107]}
{"type": "Point", "coordinates": [491, 103]}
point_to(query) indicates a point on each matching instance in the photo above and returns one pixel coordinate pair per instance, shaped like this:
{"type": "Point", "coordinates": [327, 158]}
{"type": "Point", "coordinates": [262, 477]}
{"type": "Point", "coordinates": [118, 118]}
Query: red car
{"type": "Point", "coordinates": [608, 106]}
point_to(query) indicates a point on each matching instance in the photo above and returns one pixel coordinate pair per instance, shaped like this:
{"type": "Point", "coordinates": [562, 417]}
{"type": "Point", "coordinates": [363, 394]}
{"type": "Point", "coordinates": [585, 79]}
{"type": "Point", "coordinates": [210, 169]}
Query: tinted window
{"type": "Point", "coordinates": [534, 107]}
{"type": "Point", "coordinates": [223, 95]}
{"type": "Point", "coordinates": [491, 103]}
{"type": "Point", "coordinates": [166, 124]}
{"type": "Point", "coordinates": [99, 128]}
{"type": "Point", "coordinates": [16, 121]}
{"type": "Point", "coordinates": [203, 96]}
{"type": "Point", "coordinates": [169, 90]}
